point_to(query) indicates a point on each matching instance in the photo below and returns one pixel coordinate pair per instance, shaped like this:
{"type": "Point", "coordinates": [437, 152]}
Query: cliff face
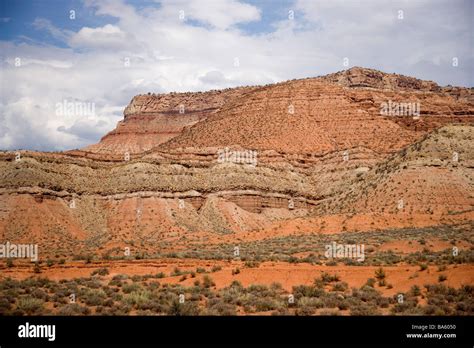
{"type": "Point", "coordinates": [247, 160]}
{"type": "Point", "coordinates": [370, 78]}
{"type": "Point", "coordinates": [315, 115]}
{"type": "Point", "coordinates": [150, 120]}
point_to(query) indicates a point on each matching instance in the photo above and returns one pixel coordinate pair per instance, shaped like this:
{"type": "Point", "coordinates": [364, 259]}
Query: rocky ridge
{"type": "Point", "coordinates": [322, 150]}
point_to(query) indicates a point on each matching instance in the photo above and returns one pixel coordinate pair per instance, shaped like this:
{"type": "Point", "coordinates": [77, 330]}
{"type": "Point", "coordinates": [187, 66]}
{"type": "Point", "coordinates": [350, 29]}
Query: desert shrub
{"type": "Point", "coordinates": [120, 309]}
{"type": "Point", "coordinates": [328, 278]}
{"type": "Point", "coordinates": [383, 302]}
{"type": "Point", "coordinates": [109, 291]}
{"type": "Point", "coordinates": [128, 288]}
{"type": "Point", "coordinates": [267, 304]}
{"type": "Point", "coordinates": [442, 278]}
{"type": "Point", "coordinates": [443, 300]}
{"type": "Point", "coordinates": [100, 271]}
{"type": "Point", "coordinates": [380, 274]}
{"type": "Point", "coordinates": [342, 304]}
{"type": "Point", "coordinates": [275, 287]}
{"type": "Point", "coordinates": [408, 306]}
{"type": "Point", "coordinates": [330, 300]}
{"type": "Point", "coordinates": [306, 302]}
{"type": "Point", "coordinates": [366, 294]}
{"type": "Point", "coordinates": [40, 294]}
{"type": "Point", "coordinates": [137, 278]}
{"type": "Point", "coordinates": [120, 277]}
{"type": "Point", "coordinates": [415, 291]}
{"type": "Point", "coordinates": [259, 290]}
{"type": "Point", "coordinates": [117, 297]}
{"type": "Point", "coordinates": [4, 305]}
{"type": "Point", "coordinates": [176, 272]}
{"type": "Point", "coordinates": [108, 303]}
{"type": "Point", "coordinates": [364, 309]}
{"type": "Point", "coordinates": [305, 311]}
{"type": "Point", "coordinates": [307, 291]}
{"type": "Point", "coordinates": [73, 309]}
{"type": "Point", "coordinates": [115, 282]}
{"type": "Point", "coordinates": [218, 307]}
{"type": "Point", "coordinates": [252, 264]}
{"type": "Point", "coordinates": [329, 312]}
{"type": "Point", "coordinates": [216, 268]}
{"type": "Point", "coordinates": [139, 299]}
{"type": "Point", "coordinates": [207, 281]}
{"type": "Point", "coordinates": [433, 310]}
{"type": "Point", "coordinates": [30, 305]}
{"type": "Point", "coordinates": [93, 297]}
{"type": "Point", "coordinates": [340, 286]}
{"type": "Point", "coordinates": [183, 309]}
{"type": "Point", "coordinates": [91, 283]}
{"type": "Point", "coordinates": [231, 293]}
{"type": "Point", "coordinates": [9, 283]}
{"type": "Point", "coordinates": [281, 311]}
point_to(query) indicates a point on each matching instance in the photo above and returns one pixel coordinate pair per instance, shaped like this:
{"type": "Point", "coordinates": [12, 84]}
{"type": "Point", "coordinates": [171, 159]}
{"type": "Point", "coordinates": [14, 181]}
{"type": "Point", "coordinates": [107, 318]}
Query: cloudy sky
{"type": "Point", "coordinates": [95, 55]}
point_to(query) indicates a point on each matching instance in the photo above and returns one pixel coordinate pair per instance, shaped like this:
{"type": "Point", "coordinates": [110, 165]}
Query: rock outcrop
{"type": "Point", "coordinates": [336, 112]}
{"type": "Point", "coordinates": [183, 165]}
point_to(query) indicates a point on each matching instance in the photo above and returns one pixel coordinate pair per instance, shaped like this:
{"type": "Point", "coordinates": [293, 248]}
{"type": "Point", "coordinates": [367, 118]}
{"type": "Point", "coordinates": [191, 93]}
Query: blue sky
{"type": "Point", "coordinates": [113, 50]}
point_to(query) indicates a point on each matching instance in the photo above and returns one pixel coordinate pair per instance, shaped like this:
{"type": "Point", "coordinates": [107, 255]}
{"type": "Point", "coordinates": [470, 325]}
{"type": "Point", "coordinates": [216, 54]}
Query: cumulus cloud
{"type": "Point", "coordinates": [199, 45]}
{"type": "Point", "coordinates": [217, 14]}
{"type": "Point", "coordinates": [108, 36]}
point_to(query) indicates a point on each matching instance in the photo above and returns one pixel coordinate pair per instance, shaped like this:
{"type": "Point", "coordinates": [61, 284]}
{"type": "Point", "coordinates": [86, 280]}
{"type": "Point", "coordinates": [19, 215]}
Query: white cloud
{"type": "Point", "coordinates": [218, 14]}
{"type": "Point", "coordinates": [108, 36]}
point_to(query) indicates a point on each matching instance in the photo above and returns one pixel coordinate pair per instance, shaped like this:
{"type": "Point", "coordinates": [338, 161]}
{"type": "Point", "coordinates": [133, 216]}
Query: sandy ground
{"type": "Point", "coordinates": [401, 277]}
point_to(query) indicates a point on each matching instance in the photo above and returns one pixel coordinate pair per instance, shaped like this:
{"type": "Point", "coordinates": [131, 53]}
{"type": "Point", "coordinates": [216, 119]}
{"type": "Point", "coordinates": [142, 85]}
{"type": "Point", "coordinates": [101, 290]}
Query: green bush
{"type": "Point", "coordinates": [218, 307]}
{"type": "Point", "coordinates": [380, 274]}
{"type": "Point", "coordinates": [183, 309]}
{"type": "Point", "coordinates": [207, 281]}
{"type": "Point", "coordinates": [128, 288]}
{"type": "Point", "coordinates": [31, 305]}
{"type": "Point", "coordinates": [100, 271]}
{"type": "Point", "coordinates": [73, 309]}
{"type": "Point", "coordinates": [94, 297]}
{"type": "Point", "coordinates": [138, 299]}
